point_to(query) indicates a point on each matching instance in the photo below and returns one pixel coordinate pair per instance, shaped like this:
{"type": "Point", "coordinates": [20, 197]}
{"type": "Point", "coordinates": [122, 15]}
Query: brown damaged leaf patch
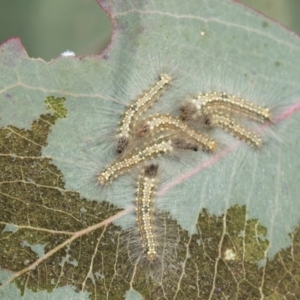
{"type": "Point", "coordinates": [40, 218]}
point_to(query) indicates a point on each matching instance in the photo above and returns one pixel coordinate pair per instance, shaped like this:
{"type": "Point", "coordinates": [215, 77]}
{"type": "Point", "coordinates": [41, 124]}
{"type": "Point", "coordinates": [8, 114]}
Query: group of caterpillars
{"type": "Point", "coordinates": [141, 138]}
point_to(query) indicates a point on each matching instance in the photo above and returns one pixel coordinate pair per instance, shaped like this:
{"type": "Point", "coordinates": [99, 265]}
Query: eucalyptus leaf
{"type": "Point", "coordinates": [234, 213]}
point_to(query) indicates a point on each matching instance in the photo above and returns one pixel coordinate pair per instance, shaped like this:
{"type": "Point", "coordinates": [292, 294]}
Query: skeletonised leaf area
{"type": "Point", "coordinates": [49, 238]}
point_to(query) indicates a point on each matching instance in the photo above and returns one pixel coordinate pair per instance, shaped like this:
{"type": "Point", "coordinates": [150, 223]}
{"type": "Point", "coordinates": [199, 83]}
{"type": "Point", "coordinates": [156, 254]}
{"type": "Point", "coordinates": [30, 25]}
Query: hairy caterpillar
{"type": "Point", "coordinates": [221, 110]}
{"type": "Point", "coordinates": [207, 103]}
{"type": "Point", "coordinates": [165, 123]}
{"type": "Point", "coordinates": [136, 108]}
{"type": "Point", "coordinates": [133, 158]}
{"type": "Point", "coordinates": [146, 187]}
{"type": "Point", "coordinates": [234, 128]}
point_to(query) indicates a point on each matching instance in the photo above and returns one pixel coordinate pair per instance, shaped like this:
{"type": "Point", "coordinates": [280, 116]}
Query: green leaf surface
{"type": "Point", "coordinates": [235, 213]}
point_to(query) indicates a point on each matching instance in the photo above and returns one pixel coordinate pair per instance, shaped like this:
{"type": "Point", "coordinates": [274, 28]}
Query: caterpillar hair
{"type": "Point", "coordinates": [165, 123]}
